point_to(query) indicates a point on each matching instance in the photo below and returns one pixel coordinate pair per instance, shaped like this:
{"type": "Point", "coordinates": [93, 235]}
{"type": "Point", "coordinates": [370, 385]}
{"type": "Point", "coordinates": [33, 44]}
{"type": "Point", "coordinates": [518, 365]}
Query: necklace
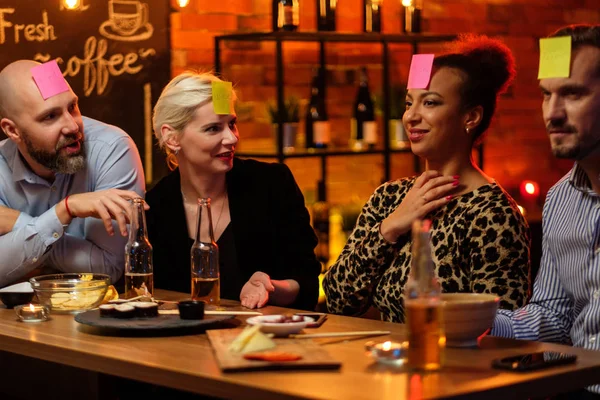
{"type": "Point", "coordinates": [221, 212]}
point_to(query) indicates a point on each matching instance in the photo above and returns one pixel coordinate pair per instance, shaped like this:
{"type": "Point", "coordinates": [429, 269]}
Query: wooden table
{"type": "Point", "coordinates": [187, 363]}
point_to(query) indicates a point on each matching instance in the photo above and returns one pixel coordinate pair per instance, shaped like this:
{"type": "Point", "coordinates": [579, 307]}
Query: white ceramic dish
{"type": "Point", "coordinates": [278, 328]}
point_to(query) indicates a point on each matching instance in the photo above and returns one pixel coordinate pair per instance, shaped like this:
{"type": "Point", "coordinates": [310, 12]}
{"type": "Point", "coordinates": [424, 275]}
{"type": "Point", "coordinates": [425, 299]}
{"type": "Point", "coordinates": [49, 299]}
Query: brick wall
{"type": "Point", "coordinates": [516, 146]}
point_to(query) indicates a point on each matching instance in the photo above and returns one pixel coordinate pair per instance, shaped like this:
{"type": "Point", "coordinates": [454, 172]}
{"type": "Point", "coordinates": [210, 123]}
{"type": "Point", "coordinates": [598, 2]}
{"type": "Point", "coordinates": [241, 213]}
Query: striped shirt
{"type": "Point", "coordinates": [565, 306]}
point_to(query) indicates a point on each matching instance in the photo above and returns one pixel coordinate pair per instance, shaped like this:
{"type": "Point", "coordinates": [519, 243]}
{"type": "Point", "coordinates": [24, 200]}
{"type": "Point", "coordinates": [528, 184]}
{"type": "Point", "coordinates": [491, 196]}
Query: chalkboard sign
{"type": "Point", "coordinates": [115, 54]}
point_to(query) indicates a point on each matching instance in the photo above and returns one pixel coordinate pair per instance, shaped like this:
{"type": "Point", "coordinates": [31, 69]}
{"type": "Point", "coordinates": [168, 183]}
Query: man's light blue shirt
{"type": "Point", "coordinates": [565, 306]}
{"type": "Point", "coordinates": [38, 238]}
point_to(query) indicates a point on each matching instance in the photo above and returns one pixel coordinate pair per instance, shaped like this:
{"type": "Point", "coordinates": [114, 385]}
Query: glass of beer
{"type": "Point", "coordinates": [423, 305]}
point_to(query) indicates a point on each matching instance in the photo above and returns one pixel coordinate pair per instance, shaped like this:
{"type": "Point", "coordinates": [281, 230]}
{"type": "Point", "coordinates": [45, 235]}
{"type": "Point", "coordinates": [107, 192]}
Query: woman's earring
{"type": "Point", "coordinates": [176, 152]}
{"type": "Point", "coordinates": [468, 130]}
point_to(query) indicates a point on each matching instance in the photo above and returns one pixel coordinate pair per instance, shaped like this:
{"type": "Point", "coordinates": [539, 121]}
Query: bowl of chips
{"type": "Point", "coordinates": [70, 293]}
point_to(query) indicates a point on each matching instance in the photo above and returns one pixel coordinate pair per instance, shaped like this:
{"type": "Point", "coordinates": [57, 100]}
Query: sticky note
{"type": "Point", "coordinates": [555, 57]}
{"type": "Point", "coordinates": [420, 71]}
{"type": "Point", "coordinates": [49, 79]}
{"type": "Point", "coordinates": [221, 97]}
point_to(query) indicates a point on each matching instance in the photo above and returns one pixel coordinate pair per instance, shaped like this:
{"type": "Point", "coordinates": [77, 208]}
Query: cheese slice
{"type": "Point", "coordinates": [259, 342]}
{"type": "Point", "coordinates": [251, 339]}
{"type": "Point", "coordinates": [243, 338]}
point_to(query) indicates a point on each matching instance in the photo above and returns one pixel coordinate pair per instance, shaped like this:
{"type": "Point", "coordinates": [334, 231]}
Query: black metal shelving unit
{"type": "Point", "coordinates": [332, 37]}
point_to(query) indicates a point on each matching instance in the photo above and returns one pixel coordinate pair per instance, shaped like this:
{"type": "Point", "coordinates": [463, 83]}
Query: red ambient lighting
{"type": "Point", "coordinates": [530, 189]}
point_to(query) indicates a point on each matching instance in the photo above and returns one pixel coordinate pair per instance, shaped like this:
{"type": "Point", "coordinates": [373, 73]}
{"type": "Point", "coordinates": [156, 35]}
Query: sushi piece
{"type": "Point", "coordinates": [107, 310]}
{"type": "Point", "coordinates": [145, 309]}
{"type": "Point", "coordinates": [124, 311]}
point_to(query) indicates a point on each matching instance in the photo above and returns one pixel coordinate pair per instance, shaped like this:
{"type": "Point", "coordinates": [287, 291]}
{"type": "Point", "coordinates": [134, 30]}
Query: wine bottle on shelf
{"type": "Point", "coordinates": [274, 15]}
{"type": "Point", "coordinates": [320, 214]}
{"type": "Point", "coordinates": [423, 305]}
{"type": "Point", "coordinates": [326, 15]}
{"type": "Point", "coordinates": [372, 15]}
{"type": "Point", "coordinates": [317, 124]}
{"type": "Point", "coordinates": [139, 272]}
{"type": "Point", "coordinates": [412, 16]}
{"type": "Point", "coordinates": [288, 15]}
{"type": "Point", "coordinates": [364, 128]}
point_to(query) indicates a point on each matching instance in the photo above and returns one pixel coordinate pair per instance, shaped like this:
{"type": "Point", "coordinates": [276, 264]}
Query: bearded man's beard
{"type": "Point", "coordinates": [54, 160]}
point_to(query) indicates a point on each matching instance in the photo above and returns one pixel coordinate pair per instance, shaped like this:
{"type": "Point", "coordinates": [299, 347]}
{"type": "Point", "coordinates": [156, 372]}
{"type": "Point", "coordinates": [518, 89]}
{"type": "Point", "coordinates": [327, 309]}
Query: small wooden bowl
{"type": "Point", "coordinates": [191, 309]}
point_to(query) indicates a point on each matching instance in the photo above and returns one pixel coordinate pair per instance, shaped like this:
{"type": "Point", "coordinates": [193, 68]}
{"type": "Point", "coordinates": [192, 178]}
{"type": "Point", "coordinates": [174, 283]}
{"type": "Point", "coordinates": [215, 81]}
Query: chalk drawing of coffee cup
{"type": "Point", "coordinates": [127, 21]}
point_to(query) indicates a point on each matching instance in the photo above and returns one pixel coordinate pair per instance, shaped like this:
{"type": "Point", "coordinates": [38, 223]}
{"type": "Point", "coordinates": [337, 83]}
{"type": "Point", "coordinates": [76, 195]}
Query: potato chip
{"type": "Point", "coordinates": [59, 298]}
{"type": "Point", "coordinates": [111, 294]}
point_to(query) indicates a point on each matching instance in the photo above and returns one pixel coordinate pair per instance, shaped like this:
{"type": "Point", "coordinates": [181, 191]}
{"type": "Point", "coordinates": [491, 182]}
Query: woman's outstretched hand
{"type": "Point", "coordinates": [430, 191]}
{"type": "Point", "coordinates": [255, 292]}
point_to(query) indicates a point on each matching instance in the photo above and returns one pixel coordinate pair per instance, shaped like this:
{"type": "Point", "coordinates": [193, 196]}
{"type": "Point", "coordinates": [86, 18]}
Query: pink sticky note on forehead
{"type": "Point", "coordinates": [420, 71]}
{"type": "Point", "coordinates": [49, 79]}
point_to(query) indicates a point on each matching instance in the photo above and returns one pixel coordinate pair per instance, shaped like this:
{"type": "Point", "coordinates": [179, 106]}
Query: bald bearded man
{"type": "Point", "coordinates": [63, 191]}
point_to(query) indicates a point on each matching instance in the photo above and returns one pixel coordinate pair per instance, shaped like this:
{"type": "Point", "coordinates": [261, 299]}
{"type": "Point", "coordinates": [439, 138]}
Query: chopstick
{"type": "Point", "coordinates": [213, 312]}
{"type": "Point", "coordinates": [338, 334]}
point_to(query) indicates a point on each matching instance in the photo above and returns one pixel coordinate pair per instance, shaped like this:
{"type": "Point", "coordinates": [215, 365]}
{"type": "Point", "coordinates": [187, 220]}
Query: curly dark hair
{"type": "Point", "coordinates": [488, 68]}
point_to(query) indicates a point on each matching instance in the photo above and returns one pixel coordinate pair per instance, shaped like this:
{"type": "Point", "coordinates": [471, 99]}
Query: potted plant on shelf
{"type": "Point", "coordinates": [398, 137]}
{"type": "Point", "coordinates": [291, 119]}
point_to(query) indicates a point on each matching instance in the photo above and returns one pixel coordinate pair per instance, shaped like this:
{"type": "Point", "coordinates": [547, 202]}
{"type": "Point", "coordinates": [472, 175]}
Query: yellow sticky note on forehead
{"type": "Point", "coordinates": [221, 97]}
{"type": "Point", "coordinates": [555, 57]}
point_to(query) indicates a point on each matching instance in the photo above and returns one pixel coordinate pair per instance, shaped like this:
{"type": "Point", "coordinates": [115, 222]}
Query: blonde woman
{"type": "Point", "coordinates": [260, 221]}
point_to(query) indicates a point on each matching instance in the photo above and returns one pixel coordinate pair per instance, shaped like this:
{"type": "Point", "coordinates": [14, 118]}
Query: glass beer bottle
{"type": "Point", "coordinates": [139, 276]}
{"type": "Point", "coordinates": [205, 258]}
{"type": "Point", "coordinates": [423, 306]}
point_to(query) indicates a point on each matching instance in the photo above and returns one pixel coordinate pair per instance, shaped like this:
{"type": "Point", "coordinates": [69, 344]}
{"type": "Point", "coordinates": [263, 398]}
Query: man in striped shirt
{"type": "Point", "coordinates": [565, 306]}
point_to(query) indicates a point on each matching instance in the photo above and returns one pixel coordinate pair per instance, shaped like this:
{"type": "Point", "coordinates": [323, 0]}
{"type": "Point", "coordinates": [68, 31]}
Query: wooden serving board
{"type": "Point", "coordinates": [313, 355]}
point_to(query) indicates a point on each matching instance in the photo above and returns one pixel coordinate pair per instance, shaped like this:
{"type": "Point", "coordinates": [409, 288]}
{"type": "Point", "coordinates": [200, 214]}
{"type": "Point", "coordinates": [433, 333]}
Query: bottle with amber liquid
{"type": "Point", "coordinates": [423, 305]}
{"type": "Point", "coordinates": [139, 273]}
{"type": "Point", "coordinates": [320, 214]}
{"type": "Point", "coordinates": [205, 258]}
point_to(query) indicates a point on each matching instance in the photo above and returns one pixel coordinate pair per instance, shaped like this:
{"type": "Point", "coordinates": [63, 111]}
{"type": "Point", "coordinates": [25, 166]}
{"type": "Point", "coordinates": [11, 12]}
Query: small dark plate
{"type": "Point", "coordinates": [162, 322]}
{"type": "Point", "coordinates": [11, 299]}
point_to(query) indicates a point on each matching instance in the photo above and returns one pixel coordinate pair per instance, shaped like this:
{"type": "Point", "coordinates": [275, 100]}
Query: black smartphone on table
{"type": "Point", "coordinates": [318, 317]}
{"type": "Point", "coordinates": [534, 361]}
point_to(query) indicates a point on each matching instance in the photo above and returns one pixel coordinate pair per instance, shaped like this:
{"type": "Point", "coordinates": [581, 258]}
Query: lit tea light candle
{"type": "Point", "coordinates": [388, 352]}
{"type": "Point", "coordinates": [32, 313]}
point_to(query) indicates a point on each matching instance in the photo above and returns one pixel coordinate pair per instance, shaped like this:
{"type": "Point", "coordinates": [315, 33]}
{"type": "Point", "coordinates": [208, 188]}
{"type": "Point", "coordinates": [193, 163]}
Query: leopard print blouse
{"type": "Point", "coordinates": [480, 243]}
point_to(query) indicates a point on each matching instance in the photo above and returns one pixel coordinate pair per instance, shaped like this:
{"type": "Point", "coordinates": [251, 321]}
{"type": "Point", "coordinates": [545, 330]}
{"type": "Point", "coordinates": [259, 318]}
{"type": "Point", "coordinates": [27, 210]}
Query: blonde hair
{"type": "Point", "coordinates": [177, 103]}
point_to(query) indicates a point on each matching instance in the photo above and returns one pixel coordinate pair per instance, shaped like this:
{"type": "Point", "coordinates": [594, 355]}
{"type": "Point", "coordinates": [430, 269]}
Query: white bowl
{"type": "Point", "coordinates": [467, 316]}
{"type": "Point", "coordinates": [278, 328]}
